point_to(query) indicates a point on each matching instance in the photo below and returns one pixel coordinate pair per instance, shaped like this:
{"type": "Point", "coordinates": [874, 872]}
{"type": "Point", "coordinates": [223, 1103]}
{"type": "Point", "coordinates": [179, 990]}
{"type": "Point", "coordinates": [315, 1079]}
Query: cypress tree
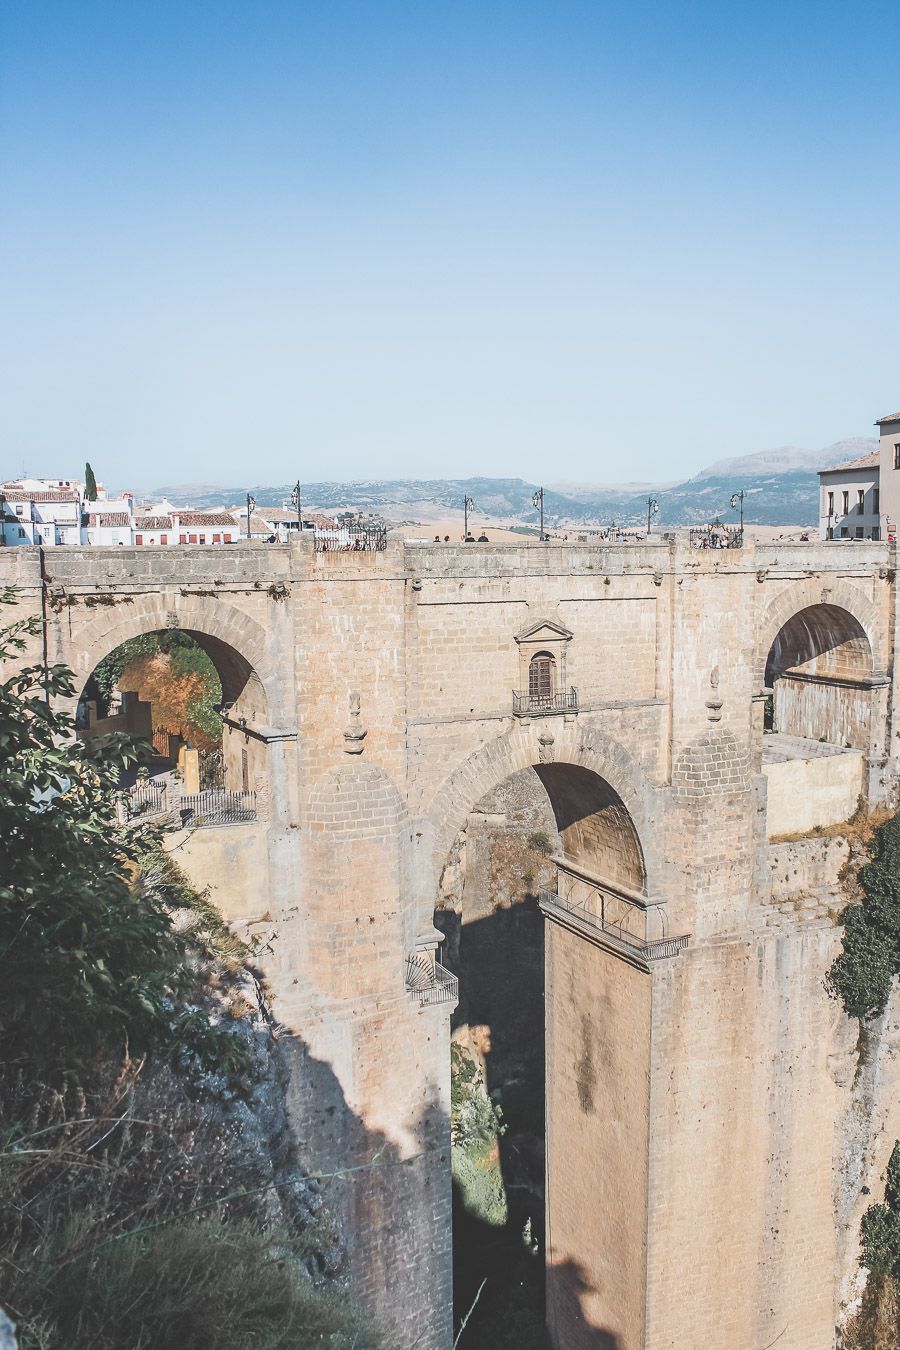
{"type": "Point", "coordinates": [90, 484]}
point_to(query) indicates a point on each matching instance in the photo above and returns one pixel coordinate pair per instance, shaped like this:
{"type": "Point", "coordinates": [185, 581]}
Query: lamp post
{"type": "Point", "coordinates": [468, 505]}
{"type": "Point", "coordinates": [251, 507]}
{"type": "Point", "coordinates": [538, 500]}
{"type": "Point", "coordinates": [737, 498]}
{"type": "Point", "coordinates": [652, 510]}
{"type": "Point", "coordinates": [295, 502]}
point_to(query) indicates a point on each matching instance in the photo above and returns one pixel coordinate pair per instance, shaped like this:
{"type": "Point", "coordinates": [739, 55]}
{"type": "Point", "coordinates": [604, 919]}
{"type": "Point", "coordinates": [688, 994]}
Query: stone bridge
{"type": "Point", "coordinates": [704, 1154]}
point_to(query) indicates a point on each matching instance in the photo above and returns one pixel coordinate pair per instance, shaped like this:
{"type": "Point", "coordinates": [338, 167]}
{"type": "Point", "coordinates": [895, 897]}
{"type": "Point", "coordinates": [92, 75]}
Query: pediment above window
{"type": "Point", "coordinates": [544, 630]}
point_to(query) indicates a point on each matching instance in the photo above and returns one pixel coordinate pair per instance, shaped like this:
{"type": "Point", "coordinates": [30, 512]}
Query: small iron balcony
{"type": "Point", "coordinates": [544, 705]}
{"type": "Point", "coordinates": [429, 982]}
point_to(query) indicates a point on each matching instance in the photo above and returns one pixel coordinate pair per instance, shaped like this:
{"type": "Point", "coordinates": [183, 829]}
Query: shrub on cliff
{"type": "Point", "coordinates": [861, 976]}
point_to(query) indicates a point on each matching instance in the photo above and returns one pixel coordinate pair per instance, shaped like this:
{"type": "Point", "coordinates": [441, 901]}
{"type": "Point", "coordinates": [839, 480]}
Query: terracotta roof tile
{"type": "Point", "coordinates": [870, 461]}
{"type": "Point", "coordinates": [891, 417]}
{"type": "Point", "coordinates": [109, 520]}
{"type": "Point", "coordinates": [39, 495]}
{"type": "Point", "coordinates": [153, 523]}
{"type": "Point", "coordinates": [204, 518]}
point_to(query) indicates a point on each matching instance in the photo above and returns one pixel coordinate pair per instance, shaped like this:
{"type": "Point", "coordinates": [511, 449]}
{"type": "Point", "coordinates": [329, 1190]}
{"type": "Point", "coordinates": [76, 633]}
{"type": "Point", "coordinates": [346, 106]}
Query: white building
{"type": "Point", "coordinates": [108, 522]}
{"type": "Point", "coordinates": [849, 499]}
{"type": "Point", "coordinates": [38, 512]}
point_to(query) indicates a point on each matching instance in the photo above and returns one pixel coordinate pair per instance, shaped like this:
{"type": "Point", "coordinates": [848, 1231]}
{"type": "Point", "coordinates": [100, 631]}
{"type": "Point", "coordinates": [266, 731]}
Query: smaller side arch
{"type": "Point", "coordinates": [808, 594]}
{"type": "Point", "coordinates": [233, 640]}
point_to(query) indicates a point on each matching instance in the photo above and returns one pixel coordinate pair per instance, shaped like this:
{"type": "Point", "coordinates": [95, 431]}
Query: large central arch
{"type": "Point", "coordinates": [522, 979]}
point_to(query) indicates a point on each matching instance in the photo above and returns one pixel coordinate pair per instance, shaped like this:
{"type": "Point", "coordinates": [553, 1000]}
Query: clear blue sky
{"type": "Point", "coordinates": [243, 242]}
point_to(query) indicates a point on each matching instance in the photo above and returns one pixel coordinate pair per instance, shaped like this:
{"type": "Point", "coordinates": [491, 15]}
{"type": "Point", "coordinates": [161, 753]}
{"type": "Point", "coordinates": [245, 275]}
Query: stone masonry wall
{"type": "Point", "coordinates": [747, 1111]}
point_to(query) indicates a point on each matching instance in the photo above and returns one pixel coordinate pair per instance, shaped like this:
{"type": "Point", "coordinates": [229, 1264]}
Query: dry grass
{"type": "Point", "coordinates": [876, 1326]}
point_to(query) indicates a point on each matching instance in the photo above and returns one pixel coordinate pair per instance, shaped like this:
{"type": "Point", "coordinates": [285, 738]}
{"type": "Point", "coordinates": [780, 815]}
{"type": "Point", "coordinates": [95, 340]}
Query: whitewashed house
{"type": "Point", "coordinates": [108, 522]}
{"type": "Point", "coordinates": [35, 512]}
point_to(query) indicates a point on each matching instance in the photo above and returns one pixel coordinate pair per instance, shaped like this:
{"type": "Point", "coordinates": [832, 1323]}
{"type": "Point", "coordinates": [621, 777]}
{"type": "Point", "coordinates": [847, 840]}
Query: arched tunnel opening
{"type": "Point", "coordinates": [819, 711]}
{"type": "Point", "coordinates": [488, 909]}
{"type": "Point", "coordinates": [192, 703]}
{"type": "Point", "coordinates": [817, 678]}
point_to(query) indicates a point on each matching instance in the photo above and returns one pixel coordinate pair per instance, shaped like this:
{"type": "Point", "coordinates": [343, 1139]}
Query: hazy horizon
{"type": "Point", "coordinates": [590, 243]}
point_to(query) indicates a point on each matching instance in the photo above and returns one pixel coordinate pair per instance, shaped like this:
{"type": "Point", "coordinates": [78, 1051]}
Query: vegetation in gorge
{"type": "Point", "coordinates": [132, 1212]}
{"type": "Point", "coordinates": [861, 977]}
{"type": "Point", "coordinates": [172, 673]}
{"type": "Point", "coordinates": [476, 1125]}
{"type": "Point", "coordinates": [876, 1326]}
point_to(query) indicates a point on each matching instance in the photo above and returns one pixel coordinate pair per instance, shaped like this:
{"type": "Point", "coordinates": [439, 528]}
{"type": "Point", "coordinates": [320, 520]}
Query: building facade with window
{"type": "Point", "coordinates": [850, 499]}
{"type": "Point", "coordinates": [889, 458]}
{"type": "Point", "coordinates": [34, 514]}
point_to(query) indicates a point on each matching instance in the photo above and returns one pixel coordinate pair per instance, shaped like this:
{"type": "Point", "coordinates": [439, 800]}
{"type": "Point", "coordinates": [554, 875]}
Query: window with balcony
{"type": "Point", "coordinates": [845, 503]}
{"type": "Point", "coordinates": [876, 501]}
{"type": "Point", "coordinates": [860, 500]}
{"type": "Point", "coordinates": [897, 454]}
{"type": "Point", "coordinates": [831, 503]}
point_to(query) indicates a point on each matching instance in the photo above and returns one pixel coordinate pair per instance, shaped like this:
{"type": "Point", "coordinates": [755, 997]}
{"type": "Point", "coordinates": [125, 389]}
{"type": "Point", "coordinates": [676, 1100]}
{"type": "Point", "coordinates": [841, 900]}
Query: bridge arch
{"type": "Point", "coordinates": [589, 749]}
{"type": "Point", "coordinates": [840, 606]}
{"type": "Point", "coordinates": [820, 669]}
{"type": "Point", "coordinates": [235, 643]}
{"type": "Point", "coordinates": [551, 1025]}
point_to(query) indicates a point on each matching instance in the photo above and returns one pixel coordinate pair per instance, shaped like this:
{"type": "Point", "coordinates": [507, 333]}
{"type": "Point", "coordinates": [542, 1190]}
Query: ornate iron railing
{"type": "Point", "coordinates": [428, 981]}
{"type": "Point", "coordinates": [542, 705]}
{"type": "Point", "coordinates": [717, 536]}
{"type": "Point", "coordinates": [217, 806]}
{"type": "Point", "coordinates": [146, 799]}
{"type": "Point", "coordinates": [633, 922]}
{"type": "Point", "coordinates": [351, 539]}
{"type": "Point", "coordinates": [655, 950]}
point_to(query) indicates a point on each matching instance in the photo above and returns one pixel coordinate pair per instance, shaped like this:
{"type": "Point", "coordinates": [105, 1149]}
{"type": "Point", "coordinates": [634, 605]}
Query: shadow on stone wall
{"type": "Point", "coordinates": [567, 1288]}
{"type": "Point", "coordinates": [392, 1213]}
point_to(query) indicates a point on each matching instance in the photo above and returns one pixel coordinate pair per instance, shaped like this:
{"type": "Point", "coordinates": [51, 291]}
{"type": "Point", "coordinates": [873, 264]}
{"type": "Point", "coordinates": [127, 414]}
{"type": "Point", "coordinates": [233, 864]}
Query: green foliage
{"type": "Point", "coordinates": [90, 484]}
{"type": "Point", "coordinates": [185, 658]}
{"type": "Point", "coordinates": [106, 674]}
{"type": "Point", "coordinates": [88, 961]}
{"type": "Point", "coordinates": [540, 842]}
{"type": "Point", "coordinates": [881, 1225]}
{"type": "Point", "coordinates": [861, 976]}
{"type": "Point", "coordinates": [476, 1126]}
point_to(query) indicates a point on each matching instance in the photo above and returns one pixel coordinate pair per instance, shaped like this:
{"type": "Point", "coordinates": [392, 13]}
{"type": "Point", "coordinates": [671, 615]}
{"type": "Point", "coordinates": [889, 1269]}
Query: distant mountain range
{"type": "Point", "coordinates": [780, 487]}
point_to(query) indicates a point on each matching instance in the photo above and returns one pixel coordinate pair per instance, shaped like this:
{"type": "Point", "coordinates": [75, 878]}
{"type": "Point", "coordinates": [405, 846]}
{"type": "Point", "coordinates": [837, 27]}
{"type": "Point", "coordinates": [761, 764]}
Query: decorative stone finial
{"type": "Point", "coordinates": [714, 704]}
{"type": "Point", "coordinates": [545, 747]}
{"type": "Point", "coordinates": [355, 733]}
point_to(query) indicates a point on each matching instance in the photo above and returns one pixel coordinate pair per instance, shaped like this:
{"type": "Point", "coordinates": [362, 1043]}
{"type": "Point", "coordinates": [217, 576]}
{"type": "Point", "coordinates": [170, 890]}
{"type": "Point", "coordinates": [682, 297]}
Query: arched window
{"type": "Point", "coordinates": [541, 679]}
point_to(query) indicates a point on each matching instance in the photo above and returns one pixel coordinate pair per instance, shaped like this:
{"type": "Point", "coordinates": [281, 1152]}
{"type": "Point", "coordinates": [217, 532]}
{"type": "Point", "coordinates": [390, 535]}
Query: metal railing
{"type": "Point", "coordinates": [634, 922]}
{"type": "Point", "coordinates": [542, 705]}
{"type": "Point", "coordinates": [717, 536]}
{"type": "Point", "coordinates": [351, 539]}
{"type": "Point", "coordinates": [198, 810]}
{"type": "Point", "coordinates": [217, 806]}
{"type": "Point", "coordinates": [429, 982]}
{"type": "Point", "coordinates": [146, 799]}
{"type": "Point", "coordinates": [655, 950]}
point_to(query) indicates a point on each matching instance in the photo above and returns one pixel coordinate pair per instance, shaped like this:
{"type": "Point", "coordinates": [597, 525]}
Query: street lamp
{"type": "Point", "coordinates": [738, 498]}
{"type": "Point", "coordinates": [251, 507]}
{"type": "Point", "coordinates": [295, 502]}
{"type": "Point", "coordinates": [652, 510]}
{"type": "Point", "coordinates": [468, 505]}
{"type": "Point", "coordinates": [538, 500]}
